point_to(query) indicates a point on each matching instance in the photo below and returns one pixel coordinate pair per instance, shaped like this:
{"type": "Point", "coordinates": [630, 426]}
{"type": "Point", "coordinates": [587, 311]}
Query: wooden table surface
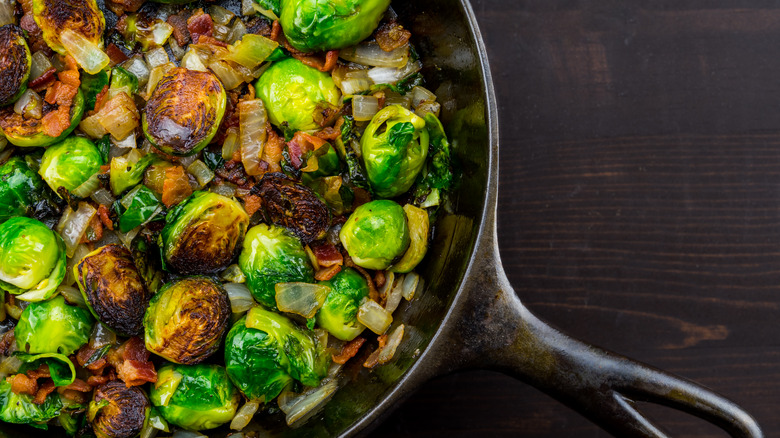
{"type": "Point", "coordinates": [639, 207]}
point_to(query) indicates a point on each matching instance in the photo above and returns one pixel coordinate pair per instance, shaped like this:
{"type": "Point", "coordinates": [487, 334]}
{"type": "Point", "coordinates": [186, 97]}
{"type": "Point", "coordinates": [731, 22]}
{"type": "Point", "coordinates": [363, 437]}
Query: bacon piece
{"type": "Point", "coordinates": [176, 186]}
{"type": "Point", "coordinates": [179, 24]}
{"type": "Point", "coordinates": [252, 203]}
{"type": "Point", "coordinates": [73, 395]}
{"type": "Point", "coordinates": [327, 254]}
{"type": "Point", "coordinates": [115, 54]}
{"type": "Point", "coordinates": [300, 144]}
{"type": "Point", "coordinates": [134, 349]}
{"type": "Point", "coordinates": [380, 279]}
{"type": "Point", "coordinates": [21, 384]}
{"type": "Point", "coordinates": [45, 389]}
{"type": "Point", "coordinates": [272, 152]}
{"type": "Point", "coordinates": [6, 341]}
{"type": "Point", "coordinates": [205, 39]}
{"type": "Point", "coordinates": [41, 81]}
{"type": "Point", "coordinates": [80, 386]}
{"type": "Point", "coordinates": [324, 274]}
{"type": "Point", "coordinates": [331, 60]}
{"type": "Point", "coordinates": [42, 371]}
{"type": "Point", "coordinates": [97, 231]}
{"type": "Point", "coordinates": [329, 133]}
{"type": "Point", "coordinates": [348, 351]}
{"type": "Point", "coordinates": [276, 30]}
{"type": "Point", "coordinates": [119, 7]}
{"type": "Point", "coordinates": [136, 373]}
{"type": "Point", "coordinates": [200, 24]}
{"type": "Point", "coordinates": [95, 381]}
{"type": "Point", "coordinates": [70, 77]}
{"type": "Point", "coordinates": [105, 218]}
{"type": "Point", "coordinates": [391, 36]}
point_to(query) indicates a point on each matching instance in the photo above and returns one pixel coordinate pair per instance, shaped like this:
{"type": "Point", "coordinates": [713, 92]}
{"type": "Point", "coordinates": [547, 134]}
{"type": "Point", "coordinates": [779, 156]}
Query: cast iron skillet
{"type": "Point", "coordinates": [468, 316]}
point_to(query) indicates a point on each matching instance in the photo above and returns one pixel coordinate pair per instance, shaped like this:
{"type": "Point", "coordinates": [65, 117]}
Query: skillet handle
{"type": "Point", "coordinates": [496, 331]}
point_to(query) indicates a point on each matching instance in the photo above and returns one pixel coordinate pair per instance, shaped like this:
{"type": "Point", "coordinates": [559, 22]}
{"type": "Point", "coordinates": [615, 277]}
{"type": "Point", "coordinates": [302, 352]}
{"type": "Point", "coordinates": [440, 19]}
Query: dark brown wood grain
{"type": "Point", "coordinates": [639, 203]}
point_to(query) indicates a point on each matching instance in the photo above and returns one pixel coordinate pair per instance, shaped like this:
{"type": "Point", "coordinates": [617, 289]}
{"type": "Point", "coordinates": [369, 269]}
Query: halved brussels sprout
{"type": "Point", "coordinates": [313, 25]}
{"type": "Point", "coordinates": [30, 132]}
{"type": "Point", "coordinates": [264, 351]}
{"type": "Point", "coordinates": [293, 206]}
{"type": "Point", "coordinates": [32, 259]}
{"type": "Point", "coordinates": [118, 411]}
{"type": "Point", "coordinates": [186, 319]}
{"type": "Point", "coordinates": [15, 63]}
{"type": "Point", "coordinates": [394, 147]}
{"type": "Point", "coordinates": [53, 326]}
{"type": "Point", "coordinates": [203, 234]}
{"type": "Point", "coordinates": [272, 255]}
{"type": "Point", "coordinates": [21, 190]}
{"type": "Point", "coordinates": [419, 228]}
{"type": "Point", "coordinates": [20, 409]}
{"type": "Point", "coordinates": [291, 91]}
{"type": "Point", "coordinates": [70, 163]}
{"type": "Point", "coordinates": [113, 289]}
{"type": "Point", "coordinates": [81, 16]}
{"type": "Point", "coordinates": [339, 313]}
{"type": "Point", "coordinates": [376, 234]}
{"type": "Point", "coordinates": [184, 111]}
{"type": "Point", "coordinates": [195, 397]}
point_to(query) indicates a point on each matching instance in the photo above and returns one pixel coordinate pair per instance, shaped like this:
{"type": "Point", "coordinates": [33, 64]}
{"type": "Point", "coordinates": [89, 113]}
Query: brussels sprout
{"type": "Point", "coordinates": [53, 326]}
{"type": "Point", "coordinates": [186, 319]}
{"type": "Point", "coordinates": [32, 259]}
{"type": "Point", "coordinates": [184, 111]}
{"type": "Point", "coordinates": [203, 234]}
{"type": "Point", "coordinates": [264, 351]}
{"type": "Point", "coordinates": [291, 91]}
{"type": "Point", "coordinates": [419, 228]}
{"type": "Point", "coordinates": [20, 409]}
{"type": "Point", "coordinates": [195, 397]}
{"type": "Point", "coordinates": [376, 234]}
{"type": "Point", "coordinates": [313, 25]}
{"type": "Point", "coordinates": [22, 190]}
{"type": "Point", "coordinates": [339, 313]}
{"type": "Point", "coordinates": [394, 147]}
{"type": "Point", "coordinates": [272, 255]}
{"type": "Point", "coordinates": [81, 16]}
{"type": "Point", "coordinates": [30, 132]}
{"type": "Point", "coordinates": [70, 163]}
{"type": "Point", "coordinates": [293, 206]}
{"type": "Point", "coordinates": [15, 63]}
{"type": "Point", "coordinates": [118, 411]}
{"type": "Point", "coordinates": [113, 289]}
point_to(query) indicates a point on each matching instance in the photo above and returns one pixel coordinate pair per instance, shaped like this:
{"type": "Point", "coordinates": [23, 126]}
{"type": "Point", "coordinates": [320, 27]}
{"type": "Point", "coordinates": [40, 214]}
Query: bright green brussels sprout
{"type": "Point", "coordinates": [394, 147]}
{"type": "Point", "coordinates": [203, 233]}
{"type": "Point", "coordinates": [32, 259]}
{"type": "Point", "coordinates": [339, 313]}
{"type": "Point", "coordinates": [15, 63]}
{"type": "Point", "coordinates": [30, 132]}
{"type": "Point", "coordinates": [184, 111]}
{"type": "Point", "coordinates": [118, 411]}
{"type": "Point", "coordinates": [195, 397]}
{"type": "Point", "coordinates": [53, 326]}
{"type": "Point", "coordinates": [264, 351]}
{"type": "Point", "coordinates": [20, 409]}
{"type": "Point", "coordinates": [375, 234]}
{"type": "Point", "coordinates": [21, 189]}
{"type": "Point", "coordinates": [113, 289]}
{"type": "Point", "coordinates": [291, 91]}
{"type": "Point", "coordinates": [272, 255]}
{"type": "Point", "coordinates": [186, 319]}
{"type": "Point", "coordinates": [70, 163]}
{"type": "Point", "coordinates": [81, 16]}
{"type": "Point", "coordinates": [314, 25]}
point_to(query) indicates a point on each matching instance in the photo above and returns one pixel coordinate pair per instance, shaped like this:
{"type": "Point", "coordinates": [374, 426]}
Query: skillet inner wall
{"type": "Point", "coordinates": [452, 70]}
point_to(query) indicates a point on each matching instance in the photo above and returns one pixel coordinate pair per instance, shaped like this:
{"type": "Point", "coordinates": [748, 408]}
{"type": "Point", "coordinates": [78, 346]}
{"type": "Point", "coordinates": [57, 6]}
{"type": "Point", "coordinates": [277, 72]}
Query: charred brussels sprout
{"type": "Point", "coordinates": [291, 92]}
{"type": "Point", "coordinates": [376, 234]}
{"type": "Point", "coordinates": [186, 319]}
{"type": "Point", "coordinates": [31, 132]}
{"type": "Point", "coordinates": [32, 259]}
{"type": "Point", "coordinates": [22, 190]}
{"type": "Point", "coordinates": [15, 63]}
{"type": "Point", "coordinates": [20, 409]}
{"type": "Point", "coordinates": [313, 25]}
{"type": "Point", "coordinates": [272, 255]}
{"type": "Point", "coordinates": [195, 397]}
{"type": "Point", "coordinates": [53, 327]}
{"type": "Point", "coordinates": [203, 234]}
{"type": "Point", "coordinates": [394, 147]}
{"type": "Point", "coordinates": [339, 313]}
{"type": "Point", "coordinates": [264, 351]}
{"type": "Point", "coordinates": [81, 16]}
{"type": "Point", "coordinates": [113, 289]}
{"type": "Point", "coordinates": [184, 111]}
{"type": "Point", "coordinates": [293, 206]}
{"type": "Point", "coordinates": [117, 411]}
{"type": "Point", "coordinates": [70, 163]}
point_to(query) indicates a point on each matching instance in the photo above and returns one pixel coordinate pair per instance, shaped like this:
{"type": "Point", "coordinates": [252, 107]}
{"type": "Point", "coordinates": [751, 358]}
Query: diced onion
{"type": "Point", "coordinates": [220, 15]}
{"type": "Point", "coordinates": [266, 12]}
{"type": "Point", "coordinates": [221, 32]}
{"type": "Point", "coordinates": [127, 238]}
{"type": "Point", "coordinates": [388, 351]}
{"type": "Point", "coordinates": [252, 121]}
{"type": "Point", "coordinates": [177, 50]}
{"type": "Point", "coordinates": [397, 99]}
{"type": "Point", "coordinates": [251, 50]}
{"type": "Point", "coordinates": [390, 75]}
{"type": "Point", "coordinates": [192, 61]}
{"type": "Point", "coordinates": [201, 172]}
{"type": "Point", "coordinates": [374, 316]}
{"type": "Point", "coordinates": [156, 57]}
{"type": "Point", "coordinates": [129, 142]}
{"type": "Point", "coordinates": [233, 274]}
{"type": "Point", "coordinates": [11, 364]}
{"type": "Point", "coordinates": [119, 116]}
{"type": "Point", "coordinates": [371, 54]}
{"type": "Point", "coordinates": [161, 32]}
{"type": "Point", "coordinates": [231, 144]}
{"type": "Point", "coordinates": [155, 75]}
{"type": "Point", "coordinates": [350, 86]}
{"type": "Point", "coordinates": [40, 63]}
{"type": "Point", "coordinates": [70, 277]}
{"type": "Point", "coordinates": [229, 76]}
{"type": "Point", "coordinates": [240, 297]}
{"type": "Point", "coordinates": [72, 295]}
{"type": "Point", "coordinates": [237, 32]}
{"type": "Point", "coordinates": [247, 7]}
{"type": "Point", "coordinates": [388, 286]}
{"type": "Point", "coordinates": [88, 187]}
{"type": "Point", "coordinates": [244, 415]}
{"type": "Point", "coordinates": [139, 68]}
{"type": "Point", "coordinates": [303, 299]}
{"type": "Point", "coordinates": [420, 95]}
{"type": "Point", "coordinates": [86, 53]}
{"type": "Point", "coordinates": [7, 12]}
{"type": "Point", "coordinates": [428, 107]}
{"type": "Point", "coordinates": [103, 197]}
{"type": "Point", "coordinates": [73, 226]}
{"type": "Point", "coordinates": [364, 107]}
{"type": "Point", "coordinates": [395, 294]}
{"type": "Point", "coordinates": [410, 285]}
{"type": "Point", "coordinates": [224, 189]}
{"type": "Point", "coordinates": [29, 105]}
{"type": "Point", "coordinates": [309, 404]}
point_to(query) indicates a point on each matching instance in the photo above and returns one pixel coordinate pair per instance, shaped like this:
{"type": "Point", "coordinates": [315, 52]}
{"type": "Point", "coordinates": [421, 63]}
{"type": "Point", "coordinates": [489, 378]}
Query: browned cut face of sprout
{"type": "Point", "coordinates": [207, 212]}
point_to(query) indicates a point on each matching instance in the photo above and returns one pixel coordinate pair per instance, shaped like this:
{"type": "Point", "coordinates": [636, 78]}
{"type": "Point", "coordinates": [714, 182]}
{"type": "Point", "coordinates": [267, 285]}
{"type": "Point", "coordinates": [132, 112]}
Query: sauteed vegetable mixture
{"type": "Point", "coordinates": [205, 213]}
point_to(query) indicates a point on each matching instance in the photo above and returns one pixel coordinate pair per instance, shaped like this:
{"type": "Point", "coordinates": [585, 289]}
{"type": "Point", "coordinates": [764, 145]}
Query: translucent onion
{"type": "Point", "coordinates": [371, 54]}
{"type": "Point", "coordinates": [155, 75]}
{"type": "Point", "coordinates": [230, 77]}
{"type": "Point", "coordinates": [70, 277]}
{"type": "Point", "coordinates": [86, 53]}
{"type": "Point", "coordinates": [240, 297]}
{"type": "Point", "coordinates": [156, 57]}
{"type": "Point", "coordinates": [233, 274]}
{"type": "Point", "coordinates": [248, 8]}
{"type": "Point", "coordinates": [139, 68]}
{"type": "Point", "coordinates": [73, 225]}
{"type": "Point", "coordinates": [129, 142]}
{"type": "Point", "coordinates": [364, 107]}
{"type": "Point", "coordinates": [201, 172]}
{"type": "Point", "coordinates": [11, 364]}
{"type": "Point", "coordinates": [161, 31]}
{"type": "Point", "coordinates": [192, 61]}
{"type": "Point", "coordinates": [231, 143]}
{"type": "Point", "coordinates": [221, 32]}
{"type": "Point", "coordinates": [7, 12]}
{"type": "Point", "coordinates": [127, 238]}
{"type": "Point", "coordinates": [389, 75]}
{"type": "Point", "coordinates": [428, 107]}
{"type": "Point", "coordinates": [29, 105]}
{"type": "Point", "coordinates": [410, 285]}
{"type": "Point", "coordinates": [88, 187]}
{"type": "Point", "coordinates": [252, 122]}
{"type": "Point", "coordinates": [393, 341]}
{"type": "Point", "coordinates": [177, 50]}
{"type": "Point", "coordinates": [388, 286]}
{"type": "Point", "coordinates": [101, 336]}
{"type": "Point", "coordinates": [220, 15]}
{"type": "Point", "coordinates": [237, 32]}
{"type": "Point", "coordinates": [395, 294]}
{"type": "Point", "coordinates": [92, 127]}
{"type": "Point", "coordinates": [40, 63]}
{"type": "Point", "coordinates": [308, 405]}
{"type": "Point", "coordinates": [244, 415]}
{"type": "Point", "coordinates": [72, 295]}
{"type": "Point", "coordinates": [351, 81]}
{"type": "Point", "coordinates": [374, 316]}
{"type": "Point", "coordinates": [224, 189]}
{"type": "Point", "coordinates": [251, 50]}
{"type": "Point", "coordinates": [420, 95]}
{"type": "Point", "coordinates": [303, 299]}
{"type": "Point", "coordinates": [397, 99]}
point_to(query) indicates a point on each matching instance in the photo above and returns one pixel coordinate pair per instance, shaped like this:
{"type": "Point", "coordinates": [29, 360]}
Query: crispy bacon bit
{"type": "Point", "coordinates": [97, 380]}
{"type": "Point", "coordinates": [75, 396]}
{"type": "Point", "coordinates": [300, 144]}
{"type": "Point", "coordinates": [42, 371]}
{"type": "Point", "coordinates": [331, 60]}
{"type": "Point", "coordinates": [327, 254]}
{"type": "Point", "coordinates": [276, 30]}
{"type": "Point", "coordinates": [119, 7]}
{"type": "Point", "coordinates": [94, 231]}
{"type": "Point", "coordinates": [391, 36]}
{"type": "Point", "coordinates": [115, 54]}
{"type": "Point", "coordinates": [21, 384]}
{"type": "Point", "coordinates": [324, 274]}
{"type": "Point", "coordinates": [105, 217]}
{"type": "Point", "coordinates": [135, 373]}
{"type": "Point", "coordinates": [6, 341]}
{"type": "Point", "coordinates": [233, 171]}
{"type": "Point", "coordinates": [70, 77]}
{"type": "Point", "coordinates": [252, 203]}
{"type": "Point", "coordinates": [176, 186]}
{"type": "Point", "coordinates": [179, 24]}
{"type": "Point", "coordinates": [205, 39]}
{"type": "Point", "coordinates": [272, 152]}
{"type": "Point", "coordinates": [259, 26]}
{"type": "Point", "coordinates": [134, 349]}
{"type": "Point", "coordinates": [80, 386]}
{"type": "Point", "coordinates": [329, 133]}
{"type": "Point", "coordinates": [379, 279]}
{"type": "Point", "coordinates": [199, 24]}
{"type": "Point", "coordinates": [348, 351]}
{"type": "Point", "coordinates": [45, 389]}
{"type": "Point", "coordinates": [43, 80]}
